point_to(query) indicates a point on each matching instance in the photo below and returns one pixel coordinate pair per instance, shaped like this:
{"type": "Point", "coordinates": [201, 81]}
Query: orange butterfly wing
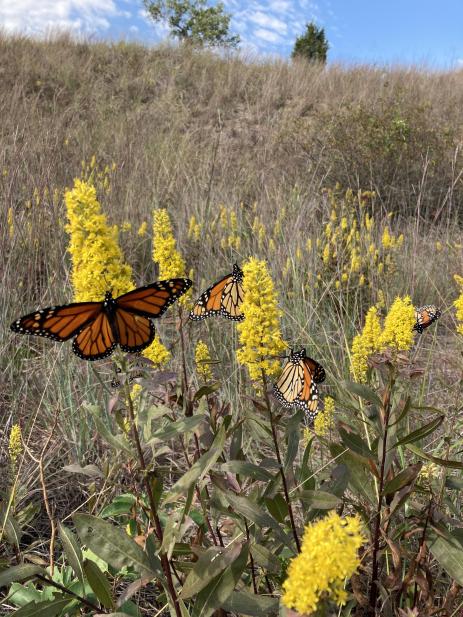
{"type": "Point", "coordinates": [223, 298]}
{"type": "Point", "coordinates": [96, 340]}
{"type": "Point", "coordinates": [153, 300]}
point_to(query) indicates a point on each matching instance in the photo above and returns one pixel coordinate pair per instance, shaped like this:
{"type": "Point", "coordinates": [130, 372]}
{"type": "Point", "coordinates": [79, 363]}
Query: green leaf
{"type": "Point", "coordinates": [404, 478]}
{"type": "Point", "coordinates": [211, 563]}
{"type": "Point", "coordinates": [72, 551]}
{"type": "Point", "coordinates": [199, 469]}
{"type": "Point", "coordinates": [179, 427]}
{"type": "Point", "coordinates": [249, 470]}
{"type": "Point", "coordinates": [99, 583]}
{"type": "Point", "coordinates": [320, 500]}
{"type": "Point", "coordinates": [205, 391]}
{"type": "Point", "coordinates": [420, 433]}
{"type": "Point", "coordinates": [253, 512]}
{"type": "Point", "coordinates": [122, 504]}
{"type": "Point", "coordinates": [360, 476]}
{"type": "Point", "coordinates": [48, 608]}
{"type": "Point", "coordinates": [449, 556]}
{"type": "Point", "coordinates": [364, 392]}
{"type": "Point", "coordinates": [119, 444]}
{"type": "Point", "coordinates": [246, 603]}
{"type": "Point", "coordinates": [111, 544]}
{"type": "Point", "coordinates": [221, 587]}
{"type": "Point", "coordinates": [19, 573]}
{"type": "Point", "coordinates": [265, 558]}
{"type": "Point", "coordinates": [277, 507]}
{"type": "Point", "coordinates": [439, 461]}
{"type": "Point", "coordinates": [354, 442]}
{"type": "Point", "coordinates": [11, 528]}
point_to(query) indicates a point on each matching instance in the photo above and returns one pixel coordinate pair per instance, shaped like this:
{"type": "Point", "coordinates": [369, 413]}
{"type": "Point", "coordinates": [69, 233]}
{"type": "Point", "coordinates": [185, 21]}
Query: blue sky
{"type": "Point", "coordinates": [359, 31]}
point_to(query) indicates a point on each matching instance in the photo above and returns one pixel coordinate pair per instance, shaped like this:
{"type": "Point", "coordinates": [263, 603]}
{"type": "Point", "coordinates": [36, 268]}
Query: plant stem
{"type": "Point", "coordinates": [280, 464]}
{"type": "Point", "coordinates": [374, 588]}
{"type": "Point", "coordinates": [154, 515]}
{"type": "Point", "coordinates": [84, 601]}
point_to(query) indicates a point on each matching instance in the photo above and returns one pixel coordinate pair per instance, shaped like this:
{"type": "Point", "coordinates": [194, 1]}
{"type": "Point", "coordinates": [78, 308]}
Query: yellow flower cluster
{"type": "Point", "coordinates": [396, 334]}
{"type": "Point", "coordinates": [15, 444]}
{"type": "Point", "coordinates": [203, 359]}
{"type": "Point", "coordinates": [365, 344]}
{"type": "Point", "coordinates": [100, 178]}
{"type": "Point", "coordinates": [10, 221]}
{"type": "Point", "coordinates": [142, 229]}
{"type": "Point", "coordinates": [349, 251]}
{"type": "Point", "coordinates": [324, 420]}
{"type": "Point", "coordinates": [458, 304]}
{"type": "Point", "coordinates": [97, 260]}
{"type": "Point", "coordinates": [329, 555]}
{"type": "Point", "coordinates": [428, 473]}
{"type": "Point", "coordinates": [157, 353]}
{"type": "Point", "coordinates": [259, 333]}
{"type": "Point", "coordinates": [194, 229]}
{"type": "Point", "coordinates": [165, 253]}
{"type": "Point", "coordinates": [229, 223]}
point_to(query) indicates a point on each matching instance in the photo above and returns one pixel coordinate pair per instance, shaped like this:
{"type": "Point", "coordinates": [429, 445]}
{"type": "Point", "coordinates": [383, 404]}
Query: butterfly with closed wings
{"type": "Point", "coordinates": [223, 298]}
{"type": "Point", "coordinates": [297, 384]}
{"type": "Point", "coordinates": [98, 327]}
{"type": "Point", "coordinates": [425, 316]}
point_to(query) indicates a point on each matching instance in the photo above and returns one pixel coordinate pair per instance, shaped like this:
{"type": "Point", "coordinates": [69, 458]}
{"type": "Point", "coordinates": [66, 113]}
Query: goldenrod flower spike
{"type": "Point", "coordinates": [202, 360]}
{"type": "Point", "coordinates": [157, 353]}
{"type": "Point", "coordinates": [15, 445]}
{"type": "Point", "coordinates": [259, 332]}
{"type": "Point", "coordinates": [324, 419]}
{"type": "Point", "coordinates": [329, 556]}
{"type": "Point", "coordinates": [165, 253]}
{"type": "Point", "coordinates": [398, 332]}
{"type": "Point", "coordinates": [365, 344]}
{"type": "Point", "coordinates": [458, 304]}
{"type": "Point", "coordinates": [97, 261]}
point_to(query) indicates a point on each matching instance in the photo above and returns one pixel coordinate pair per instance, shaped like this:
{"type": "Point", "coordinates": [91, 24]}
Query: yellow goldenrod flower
{"type": "Point", "coordinates": [400, 240]}
{"type": "Point", "coordinates": [165, 253]}
{"type": "Point", "coordinates": [344, 277]}
{"type": "Point", "coordinates": [97, 260]}
{"type": "Point", "coordinates": [326, 254]}
{"type": "Point", "coordinates": [365, 344]}
{"type": "Point", "coordinates": [259, 333]}
{"type": "Point", "coordinates": [438, 246]}
{"type": "Point", "coordinates": [333, 216]}
{"type": "Point", "coordinates": [203, 359]}
{"type": "Point", "coordinates": [194, 229]}
{"type": "Point", "coordinates": [428, 473]}
{"type": "Point", "coordinates": [142, 229]}
{"type": "Point", "coordinates": [398, 326]}
{"type": "Point", "coordinates": [271, 246]}
{"type": "Point", "coordinates": [233, 222]}
{"type": "Point", "coordinates": [10, 221]}
{"type": "Point", "coordinates": [458, 304]}
{"type": "Point", "coordinates": [362, 280]}
{"type": "Point", "coordinates": [329, 555]}
{"type": "Point", "coordinates": [157, 353]}
{"type": "Point", "coordinates": [387, 239]}
{"type": "Point", "coordinates": [344, 223]}
{"type": "Point", "coordinates": [308, 245]}
{"type": "Point", "coordinates": [298, 254]}
{"type": "Point", "coordinates": [15, 445]}
{"type": "Point", "coordinates": [324, 419]}
{"type": "Point", "coordinates": [223, 217]}
{"type": "Point", "coordinates": [126, 226]}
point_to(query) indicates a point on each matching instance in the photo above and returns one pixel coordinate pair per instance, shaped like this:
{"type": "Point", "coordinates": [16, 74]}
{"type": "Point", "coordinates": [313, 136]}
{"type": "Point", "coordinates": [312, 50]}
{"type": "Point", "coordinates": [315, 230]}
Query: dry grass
{"type": "Point", "coordinates": [190, 131]}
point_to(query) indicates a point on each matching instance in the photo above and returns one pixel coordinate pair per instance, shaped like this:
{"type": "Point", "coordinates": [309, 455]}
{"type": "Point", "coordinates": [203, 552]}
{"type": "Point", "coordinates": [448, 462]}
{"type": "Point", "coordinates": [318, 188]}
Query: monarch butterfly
{"type": "Point", "coordinates": [223, 298]}
{"type": "Point", "coordinates": [425, 316]}
{"type": "Point", "coordinates": [297, 385]}
{"type": "Point", "coordinates": [98, 327]}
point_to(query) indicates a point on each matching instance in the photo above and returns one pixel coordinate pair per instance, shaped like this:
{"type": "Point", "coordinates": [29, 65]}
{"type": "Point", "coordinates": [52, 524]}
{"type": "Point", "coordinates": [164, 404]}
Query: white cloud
{"type": "Point", "coordinates": [267, 35]}
{"type": "Point", "coordinates": [41, 16]}
{"type": "Point", "coordinates": [269, 22]}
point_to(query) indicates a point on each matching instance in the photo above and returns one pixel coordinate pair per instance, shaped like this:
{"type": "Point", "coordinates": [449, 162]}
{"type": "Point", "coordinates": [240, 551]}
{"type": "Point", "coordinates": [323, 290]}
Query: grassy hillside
{"type": "Point", "coordinates": [349, 183]}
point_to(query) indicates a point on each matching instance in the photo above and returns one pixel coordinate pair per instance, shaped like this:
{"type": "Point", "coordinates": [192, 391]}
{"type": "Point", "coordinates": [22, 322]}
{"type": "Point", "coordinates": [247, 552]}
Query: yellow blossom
{"type": "Point", "coordinates": [308, 245]}
{"type": "Point", "coordinates": [326, 253]}
{"type": "Point", "coordinates": [271, 246]}
{"type": "Point", "coordinates": [329, 555]}
{"type": "Point", "coordinates": [259, 333]}
{"type": "Point", "coordinates": [298, 254]}
{"type": "Point", "coordinates": [15, 445]}
{"type": "Point", "coordinates": [97, 260]}
{"type": "Point", "coordinates": [458, 304]}
{"type": "Point", "coordinates": [362, 280]}
{"type": "Point", "coordinates": [203, 360]}
{"type": "Point", "coordinates": [157, 353]}
{"type": "Point", "coordinates": [365, 344]}
{"type": "Point", "coordinates": [324, 419]}
{"type": "Point", "coordinates": [398, 326]}
{"type": "Point", "coordinates": [194, 229]}
{"type": "Point", "coordinates": [344, 277]}
{"type": "Point", "coordinates": [428, 473]}
{"type": "Point", "coordinates": [126, 226]}
{"type": "Point", "coordinates": [387, 239]}
{"type": "Point", "coordinates": [10, 221]}
{"type": "Point", "coordinates": [344, 223]}
{"type": "Point", "coordinates": [438, 246]}
{"type": "Point", "coordinates": [142, 229]}
{"type": "Point", "coordinates": [165, 253]}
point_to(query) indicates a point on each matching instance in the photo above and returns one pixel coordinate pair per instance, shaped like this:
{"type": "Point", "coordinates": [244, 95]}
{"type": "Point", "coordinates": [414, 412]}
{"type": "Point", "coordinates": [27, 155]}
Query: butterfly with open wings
{"type": "Point", "coordinates": [223, 298]}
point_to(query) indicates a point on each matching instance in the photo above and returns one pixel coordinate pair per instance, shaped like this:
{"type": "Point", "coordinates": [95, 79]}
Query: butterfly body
{"type": "Point", "coordinates": [425, 316]}
{"type": "Point", "coordinates": [222, 299]}
{"type": "Point", "coordinates": [98, 327]}
{"type": "Point", "coordinates": [297, 385]}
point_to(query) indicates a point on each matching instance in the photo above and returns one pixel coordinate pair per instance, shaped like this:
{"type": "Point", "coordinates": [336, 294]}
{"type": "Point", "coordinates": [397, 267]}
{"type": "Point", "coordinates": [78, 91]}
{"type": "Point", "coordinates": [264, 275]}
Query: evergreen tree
{"type": "Point", "coordinates": [311, 45]}
{"type": "Point", "coordinates": [194, 22]}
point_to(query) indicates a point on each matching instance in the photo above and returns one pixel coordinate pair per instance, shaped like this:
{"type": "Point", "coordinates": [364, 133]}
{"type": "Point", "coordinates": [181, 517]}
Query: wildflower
{"type": "Point", "coordinates": [398, 325]}
{"type": "Point", "coordinates": [439, 246]}
{"type": "Point", "coordinates": [157, 353]}
{"type": "Point", "coordinates": [326, 254]}
{"type": "Point", "coordinates": [365, 344]}
{"type": "Point", "coordinates": [15, 445]}
{"type": "Point", "coordinates": [362, 280]}
{"type": "Point", "coordinates": [97, 260]}
{"type": "Point", "coordinates": [428, 473]}
{"type": "Point", "coordinates": [10, 221]}
{"type": "Point", "coordinates": [259, 333]}
{"type": "Point", "coordinates": [142, 229]}
{"type": "Point", "coordinates": [165, 253]}
{"type": "Point", "coordinates": [126, 226]}
{"type": "Point", "coordinates": [387, 239]}
{"type": "Point", "coordinates": [298, 254]}
{"type": "Point", "coordinates": [329, 555]}
{"type": "Point", "coordinates": [458, 304]}
{"type": "Point", "coordinates": [203, 359]}
{"type": "Point", "coordinates": [194, 229]}
{"type": "Point", "coordinates": [308, 245]}
{"type": "Point", "coordinates": [324, 420]}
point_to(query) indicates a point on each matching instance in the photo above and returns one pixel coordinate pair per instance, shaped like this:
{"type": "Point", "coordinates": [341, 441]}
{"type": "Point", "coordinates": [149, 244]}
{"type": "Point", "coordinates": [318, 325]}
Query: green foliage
{"type": "Point", "coordinates": [312, 45]}
{"type": "Point", "coordinates": [194, 22]}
